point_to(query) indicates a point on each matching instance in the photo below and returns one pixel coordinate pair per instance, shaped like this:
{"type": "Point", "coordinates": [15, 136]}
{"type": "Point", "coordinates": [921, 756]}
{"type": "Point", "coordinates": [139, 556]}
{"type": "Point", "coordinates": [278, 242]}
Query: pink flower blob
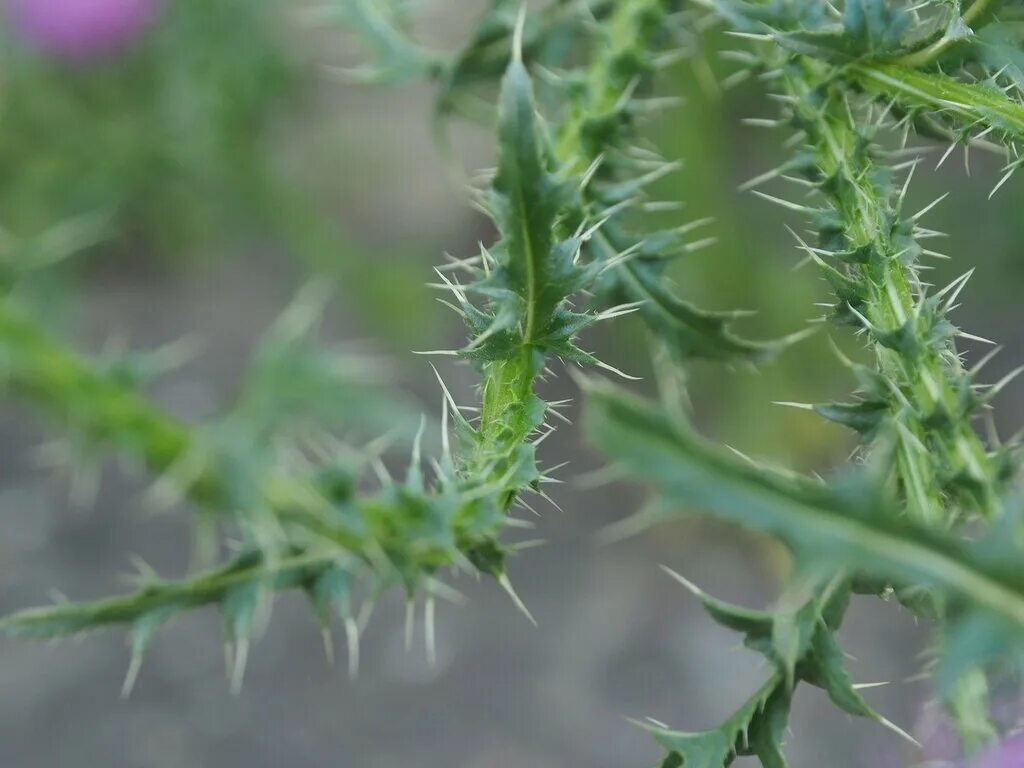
{"type": "Point", "coordinates": [81, 29]}
{"type": "Point", "coordinates": [1009, 754]}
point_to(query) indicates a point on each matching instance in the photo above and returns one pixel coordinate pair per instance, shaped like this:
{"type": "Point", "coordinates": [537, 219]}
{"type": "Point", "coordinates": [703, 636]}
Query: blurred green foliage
{"type": "Point", "coordinates": [180, 144]}
{"type": "Point", "coordinates": [172, 140]}
{"type": "Point", "coordinates": [167, 138]}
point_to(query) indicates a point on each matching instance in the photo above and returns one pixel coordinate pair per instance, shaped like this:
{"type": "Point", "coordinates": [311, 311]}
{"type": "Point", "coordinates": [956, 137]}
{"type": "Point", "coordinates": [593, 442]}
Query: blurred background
{"type": "Point", "coordinates": [216, 164]}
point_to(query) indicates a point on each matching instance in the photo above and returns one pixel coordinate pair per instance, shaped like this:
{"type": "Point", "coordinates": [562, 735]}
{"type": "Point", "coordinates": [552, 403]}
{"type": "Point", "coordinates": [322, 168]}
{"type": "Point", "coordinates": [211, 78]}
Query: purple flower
{"type": "Point", "coordinates": [79, 29]}
{"type": "Point", "coordinates": [936, 733]}
{"type": "Point", "coordinates": [1009, 754]}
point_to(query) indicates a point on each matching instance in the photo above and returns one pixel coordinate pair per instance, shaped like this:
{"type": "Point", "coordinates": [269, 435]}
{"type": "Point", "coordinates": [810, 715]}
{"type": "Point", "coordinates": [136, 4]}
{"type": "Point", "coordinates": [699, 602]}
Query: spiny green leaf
{"type": "Point", "coordinates": [775, 14]}
{"type": "Point", "coordinates": [968, 103]}
{"type": "Point", "coordinates": [998, 47]}
{"type": "Point", "coordinates": [848, 525]}
{"type": "Point", "coordinates": [689, 331]}
{"type": "Point", "coordinates": [378, 23]}
{"type": "Point", "coordinates": [756, 728]}
{"type": "Point", "coordinates": [599, 123]}
{"type": "Point", "coordinates": [527, 205]}
{"type": "Point", "coordinates": [800, 643]}
{"type": "Point", "coordinates": [864, 417]}
{"type": "Point", "coordinates": [876, 26]}
{"type": "Point", "coordinates": [548, 37]}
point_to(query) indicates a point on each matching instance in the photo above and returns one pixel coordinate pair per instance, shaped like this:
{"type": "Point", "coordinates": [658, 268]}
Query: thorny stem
{"type": "Point", "coordinates": [928, 375]}
{"type": "Point", "coordinates": [939, 457]}
{"type": "Point", "coordinates": [166, 597]}
{"type": "Point", "coordinates": [72, 390]}
{"type": "Point", "coordinates": [111, 413]}
{"type": "Point", "coordinates": [598, 131]}
{"type": "Point", "coordinates": [935, 445]}
{"type": "Point", "coordinates": [403, 532]}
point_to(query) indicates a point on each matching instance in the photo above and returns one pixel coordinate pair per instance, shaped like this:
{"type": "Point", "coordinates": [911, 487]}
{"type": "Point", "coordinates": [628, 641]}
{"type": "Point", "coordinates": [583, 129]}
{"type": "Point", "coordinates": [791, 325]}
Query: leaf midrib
{"type": "Point", "coordinates": [940, 568]}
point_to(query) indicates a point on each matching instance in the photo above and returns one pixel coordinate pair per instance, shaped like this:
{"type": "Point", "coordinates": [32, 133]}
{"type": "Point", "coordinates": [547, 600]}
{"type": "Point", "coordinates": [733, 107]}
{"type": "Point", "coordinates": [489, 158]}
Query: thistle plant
{"type": "Point", "coordinates": [319, 530]}
{"type": "Point", "coordinates": [928, 514]}
{"type": "Point", "coordinates": [926, 472]}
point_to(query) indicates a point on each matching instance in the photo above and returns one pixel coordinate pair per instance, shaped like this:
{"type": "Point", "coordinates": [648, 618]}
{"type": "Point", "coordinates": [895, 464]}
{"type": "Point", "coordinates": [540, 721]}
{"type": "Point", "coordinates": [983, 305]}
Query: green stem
{"type": "Point", "coordinates": [109, 413]}
{"type": "Point", "coordinates": [969, 104]}
{"type": "Point", "coordinates": [107, 410]}
{"type": "Point", "coordinates": [928, 374]}
{"type": "Point", "coordinates": [162, 598]}
{"type": "Point", "coordinates": [930, 450]}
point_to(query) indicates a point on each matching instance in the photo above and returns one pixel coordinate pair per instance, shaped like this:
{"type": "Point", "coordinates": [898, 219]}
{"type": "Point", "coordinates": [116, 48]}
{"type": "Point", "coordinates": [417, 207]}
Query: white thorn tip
{"type": "Point", "coordinates": [693, 588]}
{"type": "Point", "coordinates": [505, 584]}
